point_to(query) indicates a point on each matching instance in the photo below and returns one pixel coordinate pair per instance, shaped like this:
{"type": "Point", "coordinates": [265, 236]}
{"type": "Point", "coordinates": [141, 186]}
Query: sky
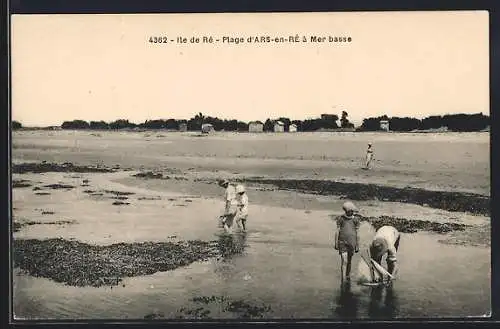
{"type": "Point", "coordinates": [102, 67]}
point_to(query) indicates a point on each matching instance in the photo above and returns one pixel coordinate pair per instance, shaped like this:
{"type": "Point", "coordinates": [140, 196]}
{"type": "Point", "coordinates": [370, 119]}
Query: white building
{"type": "Point", "coordinates": [384, 125]}
{"type": "Point", "coordinates": [255, 127]}
{"type": "Point", "coordinates": [292, 128]}
{"type": "Point", "coordinates": [279, 127]}
{"type": "Point", "coordinates": [207, 128]}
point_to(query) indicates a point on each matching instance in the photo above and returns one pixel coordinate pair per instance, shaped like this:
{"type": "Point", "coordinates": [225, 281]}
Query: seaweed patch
{"type": "Point", "coordinates": [80, 264]}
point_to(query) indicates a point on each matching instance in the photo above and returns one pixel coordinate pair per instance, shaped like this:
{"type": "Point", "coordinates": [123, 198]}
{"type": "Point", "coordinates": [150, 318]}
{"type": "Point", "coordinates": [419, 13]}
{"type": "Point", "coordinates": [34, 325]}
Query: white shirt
{"type": "Point", "coordinates": [390, 235]}
{"type": "Point", "coordinates": [230, 195]}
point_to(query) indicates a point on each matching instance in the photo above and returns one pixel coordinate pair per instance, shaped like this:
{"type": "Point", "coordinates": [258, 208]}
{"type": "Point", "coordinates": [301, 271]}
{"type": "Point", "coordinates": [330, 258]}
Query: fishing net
{"type": "Point", "coordinates": [363, 274]}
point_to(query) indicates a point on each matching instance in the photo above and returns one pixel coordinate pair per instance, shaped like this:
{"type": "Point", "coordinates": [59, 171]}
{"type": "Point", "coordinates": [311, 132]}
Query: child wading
{"type": "Point", "coordinates": [369, 156]}
{"type": "Point", "coordinates": [230, 208]}
{"type": "Point", "coordinates": [242, 201]}
{"type": "Point", "coordinates": [347, 238]}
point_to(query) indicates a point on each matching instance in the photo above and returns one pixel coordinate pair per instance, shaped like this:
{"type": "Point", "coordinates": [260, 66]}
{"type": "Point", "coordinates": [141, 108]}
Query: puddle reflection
{"type": "Point", "coordinates": [347, 302]}
{"type": "Point", "coordinates": [230, 245]}
{"type": "Point", "coordinates": [383, 303]}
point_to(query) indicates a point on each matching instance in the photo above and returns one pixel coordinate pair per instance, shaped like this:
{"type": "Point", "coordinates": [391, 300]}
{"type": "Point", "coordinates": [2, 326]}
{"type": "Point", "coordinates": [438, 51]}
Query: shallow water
{"type": "Point", "coordinates": [285, 261]}
{"type": "Point", "coordinates": [295, 280]}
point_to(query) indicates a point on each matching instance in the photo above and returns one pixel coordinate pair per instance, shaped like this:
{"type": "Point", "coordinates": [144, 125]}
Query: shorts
{"type": "Point", "coordinates": [232, 210]}
{"type": "Point", "coordinates": [241, 216]}
{"type": "Point", "coordinates": [345, 247]}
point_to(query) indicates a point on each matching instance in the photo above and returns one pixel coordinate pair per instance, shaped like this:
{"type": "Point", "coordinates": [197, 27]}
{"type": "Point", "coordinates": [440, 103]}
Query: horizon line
{"type": "Point", "coordinates": [255, 120]}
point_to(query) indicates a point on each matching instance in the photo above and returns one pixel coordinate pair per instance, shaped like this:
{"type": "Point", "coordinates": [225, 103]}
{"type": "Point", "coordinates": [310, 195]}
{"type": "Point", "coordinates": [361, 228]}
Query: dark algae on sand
{"type": "Point", "coordinates": [202, 307]}
{"type": "Point", "coordinates": [44, 167]}
{"type": "Point", "coordinates": [451, 201]}
{"type": "Point", "coordinates": [80, 264]}
{"type": "Point", "coordinates": [404, 225]}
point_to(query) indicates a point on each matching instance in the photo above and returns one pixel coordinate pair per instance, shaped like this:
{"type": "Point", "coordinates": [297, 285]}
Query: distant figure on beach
{"type": "Point", "coordinates": [242, 202]}
{"type": "Point", "coordinates": [369, 156]}
{"type": "Point", "coordinates": [347, 238]}
{"type": "Point", "coordinates": [385, 241]}
{"type": "Point", "coordinates": [230, 208]}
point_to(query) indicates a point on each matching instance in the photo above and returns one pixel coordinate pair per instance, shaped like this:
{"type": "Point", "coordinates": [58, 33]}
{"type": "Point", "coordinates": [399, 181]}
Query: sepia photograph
{"type": "Point", "coordinates": [250, 166]}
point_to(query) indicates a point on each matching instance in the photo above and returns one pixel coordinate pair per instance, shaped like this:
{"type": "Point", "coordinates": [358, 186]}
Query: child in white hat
{"type": "Point", "coordinates": [347, 238]}
{"type": "Point", "coordinates": [242, 200]}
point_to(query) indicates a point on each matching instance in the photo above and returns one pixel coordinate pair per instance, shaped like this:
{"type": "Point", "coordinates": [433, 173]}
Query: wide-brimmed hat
{"type": "Point", "coordinates": [349, 206]}
{"type": "Point", "coordinates": [378, 248]}
{"type": "Point", "coordinates": [240, 189]}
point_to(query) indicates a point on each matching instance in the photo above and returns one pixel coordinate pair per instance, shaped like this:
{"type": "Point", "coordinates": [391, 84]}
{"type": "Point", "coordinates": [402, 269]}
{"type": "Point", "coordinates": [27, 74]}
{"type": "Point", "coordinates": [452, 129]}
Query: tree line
{"type": "Point", "coordinates": [454, 122]}
{"type": "Point", "coordinates": [326, 121]}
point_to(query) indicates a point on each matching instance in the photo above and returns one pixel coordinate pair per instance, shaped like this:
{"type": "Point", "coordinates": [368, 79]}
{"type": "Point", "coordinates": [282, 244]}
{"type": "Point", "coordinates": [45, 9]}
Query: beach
{"type": "Point", "coordinates": [123, 225]}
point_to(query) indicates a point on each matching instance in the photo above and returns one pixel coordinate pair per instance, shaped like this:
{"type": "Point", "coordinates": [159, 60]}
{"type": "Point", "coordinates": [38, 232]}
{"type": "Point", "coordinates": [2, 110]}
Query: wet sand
{"type": "Point", "coordinates": [74, 214]}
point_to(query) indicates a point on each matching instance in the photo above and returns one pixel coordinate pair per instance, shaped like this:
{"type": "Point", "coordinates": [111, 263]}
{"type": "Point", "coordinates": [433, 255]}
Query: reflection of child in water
{"type": "Point", "coordinates": [383, 306]}
{"type": "Point", "coordinates": [369, 156]}
{"type": "Point", "coordinates": [347, 238]}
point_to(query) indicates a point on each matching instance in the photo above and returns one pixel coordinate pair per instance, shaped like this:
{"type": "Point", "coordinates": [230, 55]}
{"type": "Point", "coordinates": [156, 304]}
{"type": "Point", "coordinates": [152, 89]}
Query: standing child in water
{"type": "Point", "coordinates": [347, 238]}
{"type": "Point", "coordinates": [230, 207]}
{"type": "Point", "coordinates": [369, 156]}
{"type": "Point", "coordinates": [242, 214]}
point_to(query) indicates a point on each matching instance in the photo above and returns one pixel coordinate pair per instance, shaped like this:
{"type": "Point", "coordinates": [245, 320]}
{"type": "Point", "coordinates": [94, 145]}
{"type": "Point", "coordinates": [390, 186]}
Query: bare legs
{"type": "Point", "coordinates": [345, 266]}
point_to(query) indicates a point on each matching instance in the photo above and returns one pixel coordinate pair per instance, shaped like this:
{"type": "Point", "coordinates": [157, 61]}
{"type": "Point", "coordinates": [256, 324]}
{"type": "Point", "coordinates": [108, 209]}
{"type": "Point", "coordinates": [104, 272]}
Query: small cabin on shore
{"type": "Point", "coordinates": [279, 127]}
{"type": "Point", "coordinates": [292, 128]}
{"type": "Point", "coordinates": [207, 128]}
{"type": "Point", "coordinates": [255, 127]}
{"type": "Point", "coordinates": [384, 125]}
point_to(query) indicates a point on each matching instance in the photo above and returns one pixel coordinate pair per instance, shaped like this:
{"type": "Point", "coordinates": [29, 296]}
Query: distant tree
{"type": "Point", "coordinates": [121, 124]}
{"type": "Point", "coordinates": [16, 125]}
{"type": "Point", "coordinates": [404, 124]}
{"type": "Point", "coordinates": [98, 125]}
{"type": "Point", "coordinates": [466, 122]}
{"type": "Point", "coordinates": [432, 122]}
{"type": "Point", "coordinates": [344, 122]}
{"type": "Point", "coordinates": [242, 126]}
{"type": "Point", "coordinates": [268, 125]}
{"type": "Point", "coordinates": [454, 122]}
{"type": "Point", "coordinates": [327, 121]}
{"type": "Point", "coordinates": [172, 124]}
{"type": "Point", "coordinates": [372, 124]}
{"type": "Point", "coordinates": [75, 124]}
{"type": "Point", "coordinates": [155, 124]}
{"type": "Point", "coordinates": [200, 119]}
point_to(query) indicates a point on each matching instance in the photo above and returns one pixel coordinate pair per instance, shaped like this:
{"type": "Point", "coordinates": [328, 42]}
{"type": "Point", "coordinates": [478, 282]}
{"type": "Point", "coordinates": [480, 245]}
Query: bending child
{"type": "Point", "coordinates": [385, 241]}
